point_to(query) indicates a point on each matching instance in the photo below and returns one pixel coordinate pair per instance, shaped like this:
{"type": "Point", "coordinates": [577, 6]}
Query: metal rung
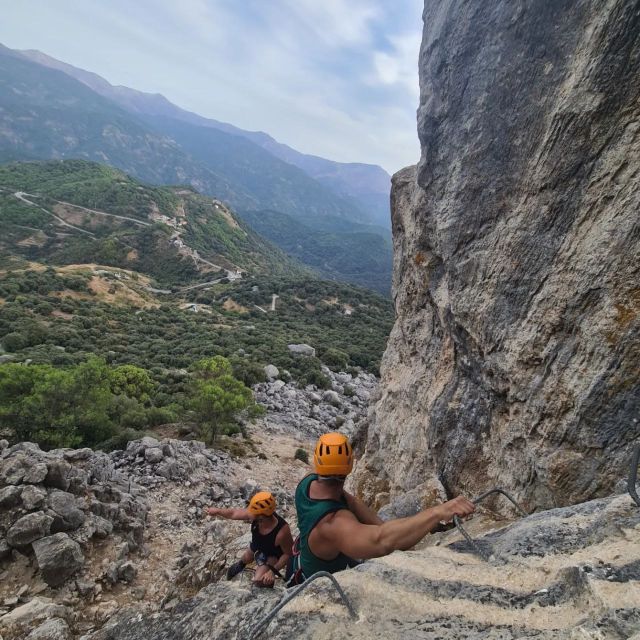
{"type": "Point", "coordinates": [456, 520]}
{"type": "Point", "coordinates": [259, 628]}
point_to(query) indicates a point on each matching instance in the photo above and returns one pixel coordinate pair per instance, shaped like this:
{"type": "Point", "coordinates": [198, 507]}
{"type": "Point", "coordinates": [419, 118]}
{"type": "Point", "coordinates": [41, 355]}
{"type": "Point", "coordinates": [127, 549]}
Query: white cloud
{"type": "Point", "coordinates": [336, 22]}
{"type": "Point", "coordinates": [336, 78]}
{"type": "Point", "coordinates": [399, 67]}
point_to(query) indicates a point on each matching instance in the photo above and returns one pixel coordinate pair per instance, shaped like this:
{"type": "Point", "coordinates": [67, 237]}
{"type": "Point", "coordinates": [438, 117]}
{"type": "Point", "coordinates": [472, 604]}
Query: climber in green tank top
{"type": "Point", "coordinates": [336, 526]}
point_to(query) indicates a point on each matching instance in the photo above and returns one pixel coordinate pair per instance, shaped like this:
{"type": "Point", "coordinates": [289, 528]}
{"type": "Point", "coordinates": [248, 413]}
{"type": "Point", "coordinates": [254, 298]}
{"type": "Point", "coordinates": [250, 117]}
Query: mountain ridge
{"type": "Point", "coordinates": [45, 114]}
{"type": "Point", "coordinates": [368, 185]}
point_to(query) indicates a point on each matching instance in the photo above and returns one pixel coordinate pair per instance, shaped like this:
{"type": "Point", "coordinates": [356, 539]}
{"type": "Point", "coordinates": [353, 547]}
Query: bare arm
{"type": "Point", "coordinates": [364, 513]}
{"type": "Point", "coordinates": [229, 514]}
{"type": "Point", "coordinates": [285, 541]}
{"type": "Point", "coordinates": [344, 533]}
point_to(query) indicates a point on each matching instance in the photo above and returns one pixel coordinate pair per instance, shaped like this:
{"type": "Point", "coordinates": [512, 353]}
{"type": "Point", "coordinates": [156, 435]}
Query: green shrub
{"type": "Point", "coordinates": [218, 399]}
{"type": "Point", "coordinates": [247, 371]}
{"type": "Point", "coordinates": [120, 440]}
{"type": "Point", "coordinates": [14, 341]}
{"type": "Point", "coordinates": [57, 407]}
{"type": "Point", "coordinates": [301, 454]}
{"type": "Point", "coordinates": [335, 359]}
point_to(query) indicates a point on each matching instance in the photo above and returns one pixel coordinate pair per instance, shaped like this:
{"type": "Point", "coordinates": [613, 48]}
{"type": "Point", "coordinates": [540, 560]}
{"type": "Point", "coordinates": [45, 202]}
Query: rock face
{"type": "Point", "coordinates": [514, 357]}
{"type": "Point", "coordinates": [585, 588]}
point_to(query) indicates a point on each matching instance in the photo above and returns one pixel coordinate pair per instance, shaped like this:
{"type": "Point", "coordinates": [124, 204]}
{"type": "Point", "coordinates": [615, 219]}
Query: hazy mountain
{"type": "Point", "coordinates": [361, 257]}
{"type": "Point", "coordinates": [366, 185]}
{"type": "Point", "coordinates": [47, 114]}
{"type": "Point", "coordinates": [269, 181]}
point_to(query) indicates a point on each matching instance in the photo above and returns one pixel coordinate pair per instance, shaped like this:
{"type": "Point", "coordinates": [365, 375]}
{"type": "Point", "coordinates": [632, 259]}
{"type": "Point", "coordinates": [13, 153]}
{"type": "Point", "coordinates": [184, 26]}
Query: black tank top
{"type": "Point", "coordinates": [267, 542]}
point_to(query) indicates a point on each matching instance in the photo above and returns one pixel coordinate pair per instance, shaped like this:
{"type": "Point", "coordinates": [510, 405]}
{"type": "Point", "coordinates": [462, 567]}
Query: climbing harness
{"type": "Point", "coordinates": [257, 630]}
{"type": "Point", "coordinates": [477, 549]}
{"type": "Point", "coordinates": [633, 473]}
{"type": "Point", "coordinates": [261, 559]}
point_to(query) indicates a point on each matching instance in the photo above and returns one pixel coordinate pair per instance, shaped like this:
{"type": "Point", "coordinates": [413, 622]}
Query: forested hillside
{"type": "Point", "coordinates": [100, 271]}
{"type": "Point", "coordinates": [76, 212]}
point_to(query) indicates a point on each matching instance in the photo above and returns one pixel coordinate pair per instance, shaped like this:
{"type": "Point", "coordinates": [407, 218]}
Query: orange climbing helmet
{"type": "Point", "coordinates": [262, 504]}
{"type": "Point", "coordinates": [333, 455]}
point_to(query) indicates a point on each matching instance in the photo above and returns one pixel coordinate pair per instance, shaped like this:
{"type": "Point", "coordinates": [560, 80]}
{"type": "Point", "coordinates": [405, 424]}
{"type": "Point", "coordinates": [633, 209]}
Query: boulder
{"type": "Point", "coordinates": [65, 512]}
{"type": "Point", "coordinates": [147, 441]}
{"type": "Point", "coordinates": [54, 629]}
{"type": "Point", "coordinates": [26, 447]}
{"type": "Point", "coordinates": [33, 497]}
{"type": "Point", "coordinates": [271, 371]}
{"type": "Point", "coordinates": [363, 394]}
{"type": "Point", "coordinates": [58, 558]}
{"type": "Point", "coordinates": [127, 571]}
{"type": "Point", "coordinates": [302, 350]}
{"type": "Point", "coordinates": [153, 455]}
{"type": "Point", "coordinates": [110, 576]}
{"type": "Point", "coordinates": [168, 450]}
{"type": "Point", "coordinates": [12, 470]}
{"type": "Point", "coordinates": [57, 476]}
{"type": "Point", "coordinates": [10, 496]}
{"type": "Point", "coordinates": [170, 469]}
{"type": "Point", "coordinates": [102, 527]}
{"type": "Point", "coordinates": [35, 473]}
{"type": "Point", "coordinates": [332, 397]}
{"type": "Point", "coordinates": [32, 613]}
{"type": "Point", "coordinates": [29, 528]}
{"type": "Point", "coordinates": [4, 444]}
{"type": "Point", "coordinates": [85, 588]}
{"type": "Point", "coordinates": [75, 455]}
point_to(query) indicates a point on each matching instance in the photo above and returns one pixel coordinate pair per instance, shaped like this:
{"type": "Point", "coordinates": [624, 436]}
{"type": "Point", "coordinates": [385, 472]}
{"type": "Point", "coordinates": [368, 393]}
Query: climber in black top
{"type": "Point", "coordinates": [271, 539]}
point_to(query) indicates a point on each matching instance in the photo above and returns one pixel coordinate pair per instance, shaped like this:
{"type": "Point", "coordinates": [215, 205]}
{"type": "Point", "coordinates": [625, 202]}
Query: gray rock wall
{"type": "Point", "coordinates": [514, 359]}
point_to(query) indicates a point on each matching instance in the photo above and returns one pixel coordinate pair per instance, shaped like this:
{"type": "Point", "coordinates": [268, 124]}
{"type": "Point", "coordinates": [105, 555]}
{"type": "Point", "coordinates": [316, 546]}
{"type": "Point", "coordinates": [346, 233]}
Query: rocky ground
{"type": "Point", "coordinates": [85, 534]}
{"type": "Point", "coordinates": [310, 411]}
{"type": "Point", "coordinates": [570, 573]}
{"type": "Point", "coordinates": [103, 546]}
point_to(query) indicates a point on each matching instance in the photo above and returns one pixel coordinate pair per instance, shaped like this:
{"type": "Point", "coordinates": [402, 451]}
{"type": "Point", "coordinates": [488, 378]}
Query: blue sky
{"type": "Point", "coordinates": [337, 78]}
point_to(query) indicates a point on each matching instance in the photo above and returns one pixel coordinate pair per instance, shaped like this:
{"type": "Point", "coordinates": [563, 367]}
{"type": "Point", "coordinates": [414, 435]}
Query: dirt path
{"type": "Point", "coordinates": [20, 195]}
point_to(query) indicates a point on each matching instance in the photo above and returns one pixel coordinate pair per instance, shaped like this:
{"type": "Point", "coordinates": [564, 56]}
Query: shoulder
{"type": "Point", "coordinates": [305, 481]}
{"type": "Point", "coordinates": [342, 520]}
{"type": "Point", "coordinates": [285, 530]}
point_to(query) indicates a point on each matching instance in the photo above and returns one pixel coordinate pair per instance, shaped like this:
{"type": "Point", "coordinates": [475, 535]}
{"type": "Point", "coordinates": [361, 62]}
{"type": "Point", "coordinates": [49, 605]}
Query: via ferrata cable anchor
{"type": "Point", "coordinates": [262, 625]}
{"type": "Point", "coordinates": [472, 543]}
{"type": "Point", "coordinates": [633, 474]}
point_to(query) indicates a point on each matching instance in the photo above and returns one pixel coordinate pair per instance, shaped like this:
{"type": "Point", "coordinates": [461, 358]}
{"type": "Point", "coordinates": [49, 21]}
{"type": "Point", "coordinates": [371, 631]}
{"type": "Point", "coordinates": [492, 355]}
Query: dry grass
{"type": "Point", "coordinates": [56, 313]}
{"type": "Point", "coordinates": [232, 305]}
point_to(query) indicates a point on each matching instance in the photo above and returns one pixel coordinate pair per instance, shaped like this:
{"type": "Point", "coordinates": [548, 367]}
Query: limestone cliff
{"type": "Point", "coordinates": [514, 359]}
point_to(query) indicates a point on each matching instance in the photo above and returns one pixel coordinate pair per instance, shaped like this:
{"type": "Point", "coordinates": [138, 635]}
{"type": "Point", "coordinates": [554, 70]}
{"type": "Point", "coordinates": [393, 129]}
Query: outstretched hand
{"type": "Point", "coordinates": [212, 511]}
{"type": "Point", "coordinates": [459, 506]}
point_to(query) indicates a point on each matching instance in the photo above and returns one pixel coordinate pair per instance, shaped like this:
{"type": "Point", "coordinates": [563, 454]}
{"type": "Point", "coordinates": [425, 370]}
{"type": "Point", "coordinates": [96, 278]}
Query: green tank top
{"type": "Point", "coordinates": [310, 512]}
